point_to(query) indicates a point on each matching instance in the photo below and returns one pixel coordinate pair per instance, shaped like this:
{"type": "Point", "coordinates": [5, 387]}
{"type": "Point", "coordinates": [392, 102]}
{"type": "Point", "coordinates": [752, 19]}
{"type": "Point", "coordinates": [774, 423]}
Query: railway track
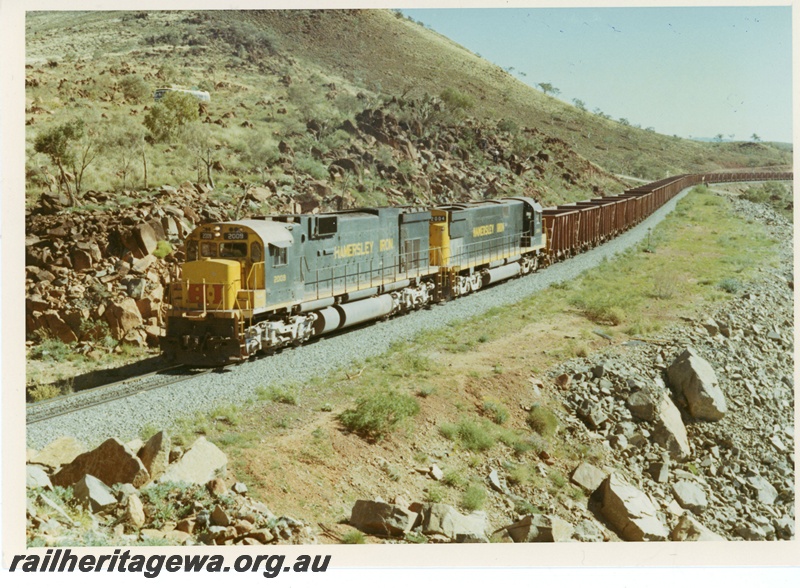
{"type": "Point", "coordinates": [56, 407]}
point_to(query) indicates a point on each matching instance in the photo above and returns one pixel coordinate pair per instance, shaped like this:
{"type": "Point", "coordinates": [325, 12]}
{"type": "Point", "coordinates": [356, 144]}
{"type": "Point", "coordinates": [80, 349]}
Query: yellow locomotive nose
{"type": "Point", "coordinates": [211, 284]}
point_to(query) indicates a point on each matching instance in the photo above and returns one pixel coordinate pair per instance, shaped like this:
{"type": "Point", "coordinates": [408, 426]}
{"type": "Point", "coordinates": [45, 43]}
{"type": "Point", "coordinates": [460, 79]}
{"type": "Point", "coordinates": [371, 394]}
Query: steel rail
{"type": "Point", "coordinates": [92, 397]}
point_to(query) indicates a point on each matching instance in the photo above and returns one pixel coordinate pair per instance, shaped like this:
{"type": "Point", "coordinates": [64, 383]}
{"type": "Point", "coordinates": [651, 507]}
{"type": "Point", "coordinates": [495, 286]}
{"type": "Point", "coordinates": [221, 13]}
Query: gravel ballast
{"type": "Point", "coordinates": [235, 385]}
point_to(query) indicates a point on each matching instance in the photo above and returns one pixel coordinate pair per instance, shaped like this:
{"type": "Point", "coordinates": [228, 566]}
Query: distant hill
{"type": "Point", "coordinates": [403, 57]}
{"type": "Point", "coordinates": [283, 84]}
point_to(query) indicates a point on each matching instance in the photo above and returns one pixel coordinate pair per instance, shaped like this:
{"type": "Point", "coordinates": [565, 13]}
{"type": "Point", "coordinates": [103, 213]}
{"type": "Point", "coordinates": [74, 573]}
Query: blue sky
{"type": "Point", "coordinates": [690, 71]}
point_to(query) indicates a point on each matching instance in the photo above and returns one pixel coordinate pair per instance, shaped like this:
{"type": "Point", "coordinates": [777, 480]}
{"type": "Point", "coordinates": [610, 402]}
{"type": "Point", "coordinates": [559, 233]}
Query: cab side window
{"type": "Point", "coordinates": [278, 255]}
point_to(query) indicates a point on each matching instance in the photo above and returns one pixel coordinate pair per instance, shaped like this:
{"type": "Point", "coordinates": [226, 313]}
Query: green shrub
{"type": "Point", "coordinates": [435, 493]}
{"type": "Point", "coordinates": [147, 431]}
{"type": "Point", "coordinates": [522, 446]}
{"type": "Point", "coordinates": [312, 167]}
{"type": "Point", "coordinates": [376, 415]}
{"type": "Point", "coordinates": [508, 126]}
{"type": "Point", "coordinates": [473, 436]}
{"type": "Point", "coordinates": [426, 390]}
{"type": "Point", "coordinates": [230, 414]}
{"type": "Point", "coordinates": [495, 411]}
{"type": "Point", "coordinates": [406, 364]}
{"type": "Point", "coordinates": [730, 285]}
{"type": "Point", "coordinates": [160, 500]}
{"type": "Point", "coordinates": [51, 350]}
{"type": "Point", "coordinates": [665, 286]}
{"type": "Point", "coordinates": [277, 394]}
{"type": "Point", "coordinates": [393, 472]}
{"type": "Point", "coordinates": [457, 100]}
{"type": "Point", "coordinates": [519, 475]}
{"type": "Point", "coordinates": [454, 479]}
{"type": "Point", "coordinates": [385, 155]}
{"type": "Point", "coordinates": [508, 437]}
{"type": "Point", "coordinates": [523, 507]}
{"type": "Point", "coordinates": [449, 431]}
{"type": "Point", "coordinates": [163, 248]}
{"type": "Point", "coordinates": [768, 192]}
{"type": "Point", "coordinates": [41, 392]}
{"type": "Point", "coordinates": [63, 144]}
{"type": "Point", "coordinates": [134, 88]}
{"type": "Point", "coordinates": [413, 537]}
{"type": "Point", "coordinates": [245, 39]}
{"type": "Point", "coordinates": [173, 113]}
{"type": "Point", "coordinates": [97, 331]}
{"type": "Point", "coordinates": [558, 480]}
{"type": "Point", "coordinates": [474, 497]}
{"type": "Point", "coordinates": [604, 315]}
{"type": "Point", "coordinates": [284, 397]}
{"type": "Point", "coordinates": [354, 537]}
{"type": "Point", "coordinates": [576, 493]}
{"type": "Point", "coordinates": [337, 139]}
{"type": "Point", "coordinates": [543, 420]}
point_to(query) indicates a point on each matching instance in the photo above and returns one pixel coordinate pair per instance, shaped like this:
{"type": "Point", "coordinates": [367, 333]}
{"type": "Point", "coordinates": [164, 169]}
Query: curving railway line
{"type": "Point", "coordinates": [587, 224]}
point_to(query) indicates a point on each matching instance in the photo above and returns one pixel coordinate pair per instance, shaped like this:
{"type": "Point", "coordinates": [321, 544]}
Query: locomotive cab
{"type": "Point", "coordinates": [223, 286]}
{"type": "Point", "coordinates": [233, 266]}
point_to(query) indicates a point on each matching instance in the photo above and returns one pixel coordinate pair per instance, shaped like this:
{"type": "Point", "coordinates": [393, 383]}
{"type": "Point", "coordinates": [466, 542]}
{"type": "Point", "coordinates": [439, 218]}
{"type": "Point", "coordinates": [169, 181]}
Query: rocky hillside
{"type": "Point", "coordinates": [303, 64]}
{"type": "Point", "coordinates": [268, 103]}
{"type": "Point", "coordinates": [98, 273]}
{"type": "Point", "coordinates": [395, 115]}
{"type": "Point", "coordinates": [146, 493]}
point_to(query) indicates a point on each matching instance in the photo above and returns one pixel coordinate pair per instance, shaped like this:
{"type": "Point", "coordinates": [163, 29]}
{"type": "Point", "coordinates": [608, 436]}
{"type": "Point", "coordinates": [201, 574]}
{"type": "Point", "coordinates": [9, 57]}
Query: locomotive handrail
{"type": "Point", "coordinates": [341, 279]}
{"type": "Point", "coordinates": [488, 250]}
{"type": "Point", "coordinates": [251, 274]}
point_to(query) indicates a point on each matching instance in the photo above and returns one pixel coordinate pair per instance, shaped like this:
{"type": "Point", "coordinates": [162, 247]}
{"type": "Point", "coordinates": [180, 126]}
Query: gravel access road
{"type": "Point", "coordinates": [161, 408]}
